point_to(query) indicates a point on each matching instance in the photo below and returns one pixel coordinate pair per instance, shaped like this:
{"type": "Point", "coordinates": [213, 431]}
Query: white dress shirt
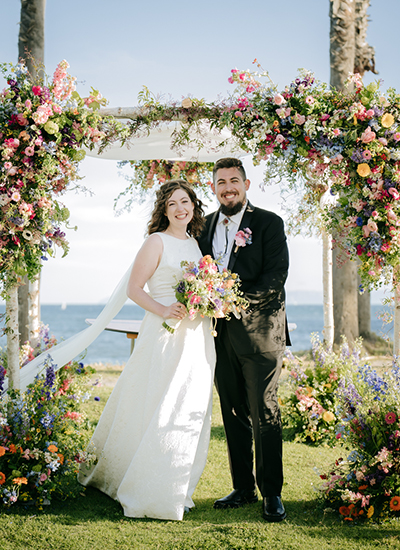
{"type": "Point", "coordinates": [224, 237]}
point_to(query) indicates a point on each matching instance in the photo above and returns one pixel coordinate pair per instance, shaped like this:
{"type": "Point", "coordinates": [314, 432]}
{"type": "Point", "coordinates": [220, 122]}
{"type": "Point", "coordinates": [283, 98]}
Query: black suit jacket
{"type": "Point", "coordinates": [262, 267]}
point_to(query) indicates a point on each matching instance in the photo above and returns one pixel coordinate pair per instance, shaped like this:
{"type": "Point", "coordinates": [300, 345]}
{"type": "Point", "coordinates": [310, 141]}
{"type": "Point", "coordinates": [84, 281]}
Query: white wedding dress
{"type": "Point", "coordinates": [152, 438]}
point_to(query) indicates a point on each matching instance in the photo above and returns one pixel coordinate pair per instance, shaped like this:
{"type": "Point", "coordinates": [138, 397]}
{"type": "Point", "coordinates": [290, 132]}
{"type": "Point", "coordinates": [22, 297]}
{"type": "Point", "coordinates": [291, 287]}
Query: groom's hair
{"type": "Point", "coordinates": [229, 162]}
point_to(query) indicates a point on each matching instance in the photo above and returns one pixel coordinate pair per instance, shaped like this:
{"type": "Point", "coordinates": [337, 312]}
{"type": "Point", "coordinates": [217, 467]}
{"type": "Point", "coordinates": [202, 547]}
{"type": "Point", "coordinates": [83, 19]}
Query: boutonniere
{"type": "Point", "coordinates": [242, 238]}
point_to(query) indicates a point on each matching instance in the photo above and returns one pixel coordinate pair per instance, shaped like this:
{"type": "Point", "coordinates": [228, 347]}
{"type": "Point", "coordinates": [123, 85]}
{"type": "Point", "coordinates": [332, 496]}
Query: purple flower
{"type": "Point", "coordinates": [97, 398]}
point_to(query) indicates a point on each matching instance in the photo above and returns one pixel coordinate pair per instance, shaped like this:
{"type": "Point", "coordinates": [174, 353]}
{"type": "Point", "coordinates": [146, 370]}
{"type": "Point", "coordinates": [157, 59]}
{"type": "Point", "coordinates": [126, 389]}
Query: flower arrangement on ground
{"type": "Point", "coordinates": [366, 484]}
{"type": "Point", "coordinates": [150, 173]}
{"type": "Point", "coordinates": [43, 126]}
{"type": "Point", "coordinates": [42, 437]}
{"type": "Point", "coordinates": [309, 406]}
{"type": "Point", "coordinates": [207, 292]}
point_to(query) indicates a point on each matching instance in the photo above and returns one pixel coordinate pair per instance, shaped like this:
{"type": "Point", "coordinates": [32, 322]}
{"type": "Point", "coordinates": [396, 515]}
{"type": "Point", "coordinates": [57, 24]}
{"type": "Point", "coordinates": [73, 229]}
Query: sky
{"type": "Point", "coordinates": [177, 49]}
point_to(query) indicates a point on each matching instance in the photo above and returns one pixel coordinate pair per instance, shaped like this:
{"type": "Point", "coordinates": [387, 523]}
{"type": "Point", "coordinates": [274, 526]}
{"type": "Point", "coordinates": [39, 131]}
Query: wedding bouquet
{"type": "Point", "coordinates": [207, 292]}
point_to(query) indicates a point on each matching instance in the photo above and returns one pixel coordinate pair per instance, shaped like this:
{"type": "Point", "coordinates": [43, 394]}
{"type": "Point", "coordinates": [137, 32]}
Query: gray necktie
{"type": "Point", "coordinates": [226, 222]}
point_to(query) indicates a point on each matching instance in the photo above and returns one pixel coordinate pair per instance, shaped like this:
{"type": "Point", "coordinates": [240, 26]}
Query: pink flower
{"type": "Point", "coordinates": [370, 113]}
{"type": "Point", "coordinates": [279, 138]}
{"type": "Point", "coordinates": [383, 141]}
{"type": "Point", "coordinates": [337, 159]}
{"type": "Point", "coordinates": [310, 100]}
{"type": "Point", "coordinates": [239, 114]}
{"type": "Point", "coordinates": [367, 154]}
{"type": "Point", "coordinates": [242, 238]}
{"type": "Point", "coordinates": [7, 165]}
{"type": "Point", "coordinates": [22, 121]}
{"type": "Point", "coordinates": [374, 214]}
{"type": "Point", "coordinates": [12, 171]}
{"type": "Point", "coordinates": [395, 194]}
{"type": "Point", "coordinates": [42, 478]}
{"type": "Point", "coordinates": [242, 76]}
{"type": "Point", "coordinates": [336, 132]}
{"type": "Point", "coordinates": [15, 196]}
{"type": "Point", "coordinates": [299, 119]}
{"type": "Point", "coordinates": [230, 80]}
{"type": "Point", "coordinates": [390, 418]}
{"type": "Point", "coordinates": [368, 135]}
{"type": "Point", "coordinates": [37, 90]}
{"type": "Point", "coordinates": [279, 99]}
{"type": "Point", "coordinates": [28, 104]}
{"type": "Point", "coordinates": [396, 136]}
{"type": "Point", "coordinates": [29, 151]}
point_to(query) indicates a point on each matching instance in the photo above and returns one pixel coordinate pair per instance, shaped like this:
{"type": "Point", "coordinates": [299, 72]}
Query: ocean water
{"type": "Point", "coordinates": [112, 347]}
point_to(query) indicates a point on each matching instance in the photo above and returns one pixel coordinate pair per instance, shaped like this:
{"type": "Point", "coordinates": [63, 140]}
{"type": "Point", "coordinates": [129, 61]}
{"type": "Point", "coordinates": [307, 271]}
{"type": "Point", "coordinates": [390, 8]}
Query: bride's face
{"type": "Point", "coordinates": [179, 208]}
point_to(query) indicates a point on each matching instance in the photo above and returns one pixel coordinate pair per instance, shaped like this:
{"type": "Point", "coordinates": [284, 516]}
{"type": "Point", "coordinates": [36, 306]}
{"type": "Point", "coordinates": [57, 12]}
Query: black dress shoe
{"type": "Point", "coordinates": [273, 509]}
{"type": "Point", "coordinates": [237, 498]}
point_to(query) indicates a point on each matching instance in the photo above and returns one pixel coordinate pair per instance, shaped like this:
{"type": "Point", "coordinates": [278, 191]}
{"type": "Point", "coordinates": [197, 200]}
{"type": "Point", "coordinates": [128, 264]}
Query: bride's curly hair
{"type": "Point", "coordinates": [159, 221]}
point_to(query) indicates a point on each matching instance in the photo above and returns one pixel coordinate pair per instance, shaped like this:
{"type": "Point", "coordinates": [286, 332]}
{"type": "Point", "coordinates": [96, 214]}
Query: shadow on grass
{"type": "Point", "coordinates": [218, 432]}
{"type": "Point", "coordinates": [305, 516]}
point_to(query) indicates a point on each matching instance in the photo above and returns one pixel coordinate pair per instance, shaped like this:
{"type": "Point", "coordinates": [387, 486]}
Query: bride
{"type": "Point", "coordinates": [152, 438]}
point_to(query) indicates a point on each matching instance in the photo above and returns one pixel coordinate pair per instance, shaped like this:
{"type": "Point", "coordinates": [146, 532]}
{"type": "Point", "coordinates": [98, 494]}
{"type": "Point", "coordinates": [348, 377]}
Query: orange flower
{"type": "Point", "coordinates": [395, 503]}
{"type": "Point", "coordinates": [2, 478]}
{"type": "Point", "coordinates": [2, 451]}
{"type": "Point", "coordinates": [12, 448]}
{"type": "Point", "coordinates": [52, 449]}
{"type": "Point", "coordinates": [344, 510]}
{"type": "Point", "coordinates": [20, 481]}
{"type": "Point", "coordinates": [363, 487]}
{"type": "Point", "coordinates": [370, 512]}
{"type": "Point", "coordinates": [61, 457]}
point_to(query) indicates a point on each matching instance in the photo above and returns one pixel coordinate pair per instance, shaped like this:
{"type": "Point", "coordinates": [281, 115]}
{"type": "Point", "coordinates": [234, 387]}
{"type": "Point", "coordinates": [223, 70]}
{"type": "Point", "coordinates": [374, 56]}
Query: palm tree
{"type": "Point", "coordinates": [349, 53]}
{"type": "Point", "coordinates": [21, 325]}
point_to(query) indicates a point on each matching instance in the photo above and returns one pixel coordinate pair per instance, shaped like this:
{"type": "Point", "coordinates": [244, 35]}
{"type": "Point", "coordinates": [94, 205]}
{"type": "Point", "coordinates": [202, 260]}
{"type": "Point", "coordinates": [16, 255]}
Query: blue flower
{"type": "Point", "coordinates": [359, 222]}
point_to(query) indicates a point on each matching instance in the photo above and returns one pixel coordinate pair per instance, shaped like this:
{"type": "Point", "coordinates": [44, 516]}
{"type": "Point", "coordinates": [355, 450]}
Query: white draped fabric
{"type": "Point", "coordinates": [67, 350]}
{"type": "Point", "coordinates": [157, 145]}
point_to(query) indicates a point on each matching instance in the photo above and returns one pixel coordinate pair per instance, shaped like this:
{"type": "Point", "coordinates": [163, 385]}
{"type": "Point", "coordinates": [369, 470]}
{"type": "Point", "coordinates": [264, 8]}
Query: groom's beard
{"type": "Point", "coordinates": [231, 210]}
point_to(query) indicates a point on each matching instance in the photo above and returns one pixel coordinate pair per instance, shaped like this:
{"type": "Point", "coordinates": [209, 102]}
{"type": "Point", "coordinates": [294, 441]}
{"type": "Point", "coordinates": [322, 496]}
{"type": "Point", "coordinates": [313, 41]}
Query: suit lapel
{"type": "Point", "coordinates": [246, 222]}
{"type": "Point", "coordinates": [211, 229]}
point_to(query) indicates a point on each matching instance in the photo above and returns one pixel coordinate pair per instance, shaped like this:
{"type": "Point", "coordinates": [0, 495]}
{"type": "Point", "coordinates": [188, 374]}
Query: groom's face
{"type": "Point", "coordinates": [230, 189]}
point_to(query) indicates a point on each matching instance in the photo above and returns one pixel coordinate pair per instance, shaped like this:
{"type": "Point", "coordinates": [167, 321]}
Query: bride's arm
{"type": "Point", "coordinates": [145, 264]}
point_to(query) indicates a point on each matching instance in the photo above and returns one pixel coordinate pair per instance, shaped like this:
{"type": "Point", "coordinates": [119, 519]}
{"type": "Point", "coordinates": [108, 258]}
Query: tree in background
{"type": "Point", "coordinates": [349, 53]}
{"type": "Point", "coordinates": [31, 50]}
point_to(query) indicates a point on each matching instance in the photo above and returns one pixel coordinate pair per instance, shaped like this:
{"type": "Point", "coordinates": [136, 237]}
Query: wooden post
{"type": "Point", "coordinates": [34, 310]}
{"type": "Point", "coordinates": [327, 284]}
{"type": "Point", "coordinates": [12, 339]}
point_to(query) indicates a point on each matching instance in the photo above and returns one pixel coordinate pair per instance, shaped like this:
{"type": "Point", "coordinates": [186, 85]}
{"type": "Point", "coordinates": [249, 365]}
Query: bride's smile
{"type": "Point", "coordinates": [179, 210]}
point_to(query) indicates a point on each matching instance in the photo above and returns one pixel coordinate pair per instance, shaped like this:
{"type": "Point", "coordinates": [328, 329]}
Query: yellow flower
{"type": "Point", "coordinates": [328, 416]}
{"type": "Point", "coordinates": [370, 512]}
{"type": "Point", "coordinates": [363, 170]}
{"type": "Point", "coordinates": [387, 120]}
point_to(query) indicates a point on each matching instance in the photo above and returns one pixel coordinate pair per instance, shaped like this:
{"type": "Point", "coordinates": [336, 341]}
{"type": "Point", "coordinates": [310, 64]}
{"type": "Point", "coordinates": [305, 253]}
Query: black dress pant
{"type": "Point", "coordinates": [247, 387]}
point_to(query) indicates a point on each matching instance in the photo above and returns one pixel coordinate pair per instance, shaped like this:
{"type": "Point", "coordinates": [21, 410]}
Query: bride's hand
{"type": "Point", "coordinates": [175, 311]}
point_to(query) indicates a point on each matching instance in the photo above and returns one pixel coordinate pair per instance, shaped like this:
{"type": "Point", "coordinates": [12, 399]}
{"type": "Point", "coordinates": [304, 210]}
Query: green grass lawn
{"type": "Point", "coordinates": [95, 522]}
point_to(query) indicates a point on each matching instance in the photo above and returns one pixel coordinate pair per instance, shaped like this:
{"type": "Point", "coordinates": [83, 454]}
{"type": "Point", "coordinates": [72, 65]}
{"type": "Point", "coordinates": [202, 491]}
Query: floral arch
{"type": "Point", "coordinates": [314, 140]}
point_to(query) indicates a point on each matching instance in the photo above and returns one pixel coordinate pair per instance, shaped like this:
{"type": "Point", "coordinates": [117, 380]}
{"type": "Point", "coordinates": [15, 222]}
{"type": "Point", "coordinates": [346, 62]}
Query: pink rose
{"type": "Point", "coordinates": [368, 135]}
{"type": "Point", "coordinates": [279, 99]}
{"type": "Point", "coordinates": [239, 114]}
{"type": "Point", "coordinates": [372, 225]}
{"type": "Point", "coordinates": [279, 139]}
{"type": "Point", "coordinates": [299, 119]}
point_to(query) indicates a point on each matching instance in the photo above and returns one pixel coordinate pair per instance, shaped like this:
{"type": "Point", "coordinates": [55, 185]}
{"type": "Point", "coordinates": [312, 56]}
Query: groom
{"type": "Point", "coordinates": [250, 349]}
